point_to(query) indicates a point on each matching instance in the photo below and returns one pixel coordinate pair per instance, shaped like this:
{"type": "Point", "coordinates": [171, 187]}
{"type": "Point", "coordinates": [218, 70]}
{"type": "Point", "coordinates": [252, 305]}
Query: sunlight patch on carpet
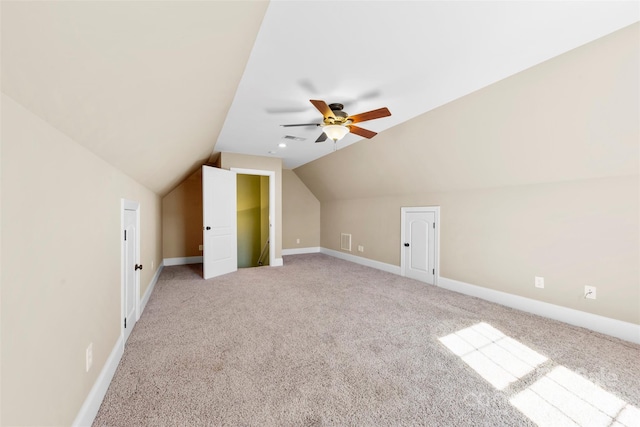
{"type": "Point", "coordinates": [560, 398]}
{"type": "Point", "coordinates": [563, 397]}
{"type": "Point", "coordinates": [497, 358]}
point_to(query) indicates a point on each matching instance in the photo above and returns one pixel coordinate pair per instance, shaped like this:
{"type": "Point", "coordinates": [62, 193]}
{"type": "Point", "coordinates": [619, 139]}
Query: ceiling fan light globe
{"type": "Point", "coordinates": [335, 132]}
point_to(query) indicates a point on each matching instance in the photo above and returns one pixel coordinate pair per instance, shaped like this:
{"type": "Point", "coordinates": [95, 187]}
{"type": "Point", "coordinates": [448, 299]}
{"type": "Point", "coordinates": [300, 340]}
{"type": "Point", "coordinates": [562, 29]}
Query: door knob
{"type": "Point", "coordinates": [207, 228]}
{"type": "Point", "coordinates": [138, 267]}
{"type": "Point", "coordinates": [406, 245]}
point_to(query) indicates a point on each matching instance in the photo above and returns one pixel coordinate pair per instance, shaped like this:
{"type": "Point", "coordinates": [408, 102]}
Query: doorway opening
{"type": "Point", "coordinates": [263, 231]}
{"type": "Point", "coordinates": [253, 220]}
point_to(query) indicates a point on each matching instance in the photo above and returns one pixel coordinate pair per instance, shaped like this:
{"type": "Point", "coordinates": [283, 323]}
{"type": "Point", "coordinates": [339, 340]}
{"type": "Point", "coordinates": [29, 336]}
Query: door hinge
{"type": "Point", "coordinates": [434, 225]}
{"type": "Point", "coordinates": [125, 234]}
{"type": "Point", "coordinates": [433, 271]}
{"type": "Point", "coordinates": [125, 322]}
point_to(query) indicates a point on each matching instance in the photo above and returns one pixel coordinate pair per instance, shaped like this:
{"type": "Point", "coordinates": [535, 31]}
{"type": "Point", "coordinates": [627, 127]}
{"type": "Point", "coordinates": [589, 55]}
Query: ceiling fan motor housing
{"type": "Point", "coordinates": [340, 116]}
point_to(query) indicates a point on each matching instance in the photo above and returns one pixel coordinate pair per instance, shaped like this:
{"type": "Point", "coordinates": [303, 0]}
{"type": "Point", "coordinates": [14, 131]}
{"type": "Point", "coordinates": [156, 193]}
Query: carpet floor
{"type": "Point", "coordinates": [323, 342]}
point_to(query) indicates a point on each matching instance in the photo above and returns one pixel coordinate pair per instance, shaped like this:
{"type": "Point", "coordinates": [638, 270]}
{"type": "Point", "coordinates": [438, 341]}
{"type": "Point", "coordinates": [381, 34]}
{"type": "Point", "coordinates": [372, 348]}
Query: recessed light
{"type": "Point", "coordinates": [282, 145]}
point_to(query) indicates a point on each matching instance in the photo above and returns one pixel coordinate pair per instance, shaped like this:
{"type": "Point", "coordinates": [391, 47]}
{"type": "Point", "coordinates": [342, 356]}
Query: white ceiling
{"type": "Point", "coordinates": [154, 88]}
{"type": "Point", "coordinates": [408, 56]}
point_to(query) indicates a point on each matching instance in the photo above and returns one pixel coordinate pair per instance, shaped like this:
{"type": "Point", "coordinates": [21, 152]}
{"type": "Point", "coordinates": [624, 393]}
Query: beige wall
{"type": "Point", "coordinates": [233, 160]}
{"type": "Point", "coordinates": [61, 285]}
{"type": "Point", "coordinates": [535, 175]}
{"type": "Point", "coordinates": [300, 213]}
{"type": "Point", "coordinates": [182, 219]}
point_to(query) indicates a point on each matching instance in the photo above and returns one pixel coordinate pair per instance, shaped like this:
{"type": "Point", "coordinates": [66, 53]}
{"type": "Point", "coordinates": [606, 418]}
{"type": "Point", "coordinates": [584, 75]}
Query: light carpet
{"type": "Point", "coordinates": [322, 341]}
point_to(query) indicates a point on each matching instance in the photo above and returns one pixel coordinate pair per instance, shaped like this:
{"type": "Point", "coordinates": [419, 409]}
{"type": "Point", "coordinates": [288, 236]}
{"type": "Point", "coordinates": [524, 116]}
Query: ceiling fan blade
{"type": "Point", "coordinates": [302, 124]}
{"type": "Point", "coordinates": [362, 132]}
{"type": "Point", "coordinates": [370, 115]}
{"type": "Point", "coordinates": [323, 108]}
{"type": "Point", "coordinates": [322, 137]}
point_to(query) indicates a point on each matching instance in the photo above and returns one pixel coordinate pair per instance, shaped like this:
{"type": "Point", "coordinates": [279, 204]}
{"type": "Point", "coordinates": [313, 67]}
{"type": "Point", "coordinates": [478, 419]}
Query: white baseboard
{"type": "Point", "coordinates": [277, 262]}
{"type": "Point", "coordinates": [606, 325]}
{"type": "Point", "coordinates": [182, 260]}
{"type": "Point", "coordinates": [300, 251]}
{"type": "Point", "coordinates": [389, 268]}
{"type": "Point", "coordinates": [92, 403]}
{"type": "Point", "coordinates": [147, 294]}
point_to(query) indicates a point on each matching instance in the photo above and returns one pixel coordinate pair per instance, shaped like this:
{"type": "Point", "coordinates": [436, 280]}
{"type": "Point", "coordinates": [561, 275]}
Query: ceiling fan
{"type": "Point", "coordinates": [337, 123]}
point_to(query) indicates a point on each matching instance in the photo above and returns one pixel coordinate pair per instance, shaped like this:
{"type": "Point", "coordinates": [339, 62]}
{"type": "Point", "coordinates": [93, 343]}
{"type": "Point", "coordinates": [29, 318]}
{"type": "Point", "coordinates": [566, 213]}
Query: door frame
{"type": "Point", "coordinates": [272, 207]}
{"type": "Point", "coordinates": [403, 217]}
{"type": "Point", "coordinates": [134, 206]}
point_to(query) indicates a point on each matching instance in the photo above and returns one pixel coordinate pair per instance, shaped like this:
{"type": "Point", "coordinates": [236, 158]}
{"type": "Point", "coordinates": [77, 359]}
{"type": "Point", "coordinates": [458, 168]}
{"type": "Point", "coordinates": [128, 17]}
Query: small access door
{"type": "Point", "coordinates": [130, 267]}
{"type": "Point", "coordinates": [220, 243]}
{"type": "Point", "coordinates": [418, 260]}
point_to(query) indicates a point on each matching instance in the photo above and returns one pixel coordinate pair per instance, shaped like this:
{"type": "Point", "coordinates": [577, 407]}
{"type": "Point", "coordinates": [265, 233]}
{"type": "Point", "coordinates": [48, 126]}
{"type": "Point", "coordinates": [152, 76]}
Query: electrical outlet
{"type": "Point", "coordinates": [360, 248]}
{"type": "Point", "coordinates": [89, 357]}
{"type": "Point", "coordinates": [298, 241]}
{"type": "Point", "coordinates": [539, 282]}
{"type": "Point", "coordinates": [200, 247]}
{"type": "Point", "coordinates": [590, 292]}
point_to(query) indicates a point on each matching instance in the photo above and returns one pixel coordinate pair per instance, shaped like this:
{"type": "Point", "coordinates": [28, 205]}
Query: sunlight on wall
{"type": "Point", "coordinates": [560, 398]}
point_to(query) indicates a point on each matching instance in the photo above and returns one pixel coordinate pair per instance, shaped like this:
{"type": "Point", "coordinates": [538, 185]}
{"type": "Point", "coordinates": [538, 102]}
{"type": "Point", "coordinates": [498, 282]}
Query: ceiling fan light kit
{"type": "Point", "coordinates": [335, 132]}
{"type": "Point", "coordinates": [337, 123]}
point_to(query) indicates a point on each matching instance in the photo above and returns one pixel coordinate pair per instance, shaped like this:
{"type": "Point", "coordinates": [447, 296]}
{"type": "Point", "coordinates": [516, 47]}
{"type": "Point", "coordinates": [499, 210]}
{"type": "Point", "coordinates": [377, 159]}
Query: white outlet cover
{"type": "Point", "coordinates": [590, 292]}
{"type": "Point", "coordinates": [539, 282]}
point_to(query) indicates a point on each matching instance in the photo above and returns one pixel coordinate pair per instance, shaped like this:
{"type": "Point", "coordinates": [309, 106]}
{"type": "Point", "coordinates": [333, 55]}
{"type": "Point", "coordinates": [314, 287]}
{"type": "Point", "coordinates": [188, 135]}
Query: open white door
{"type": "Point", "coordinates": [220, 253]}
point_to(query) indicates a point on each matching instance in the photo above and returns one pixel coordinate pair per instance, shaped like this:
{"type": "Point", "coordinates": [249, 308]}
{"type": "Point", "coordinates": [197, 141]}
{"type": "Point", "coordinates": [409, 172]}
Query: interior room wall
{"type": "Point", "coordinates": [536, 175]}
{"type": "Point", "coordinates": [182, 219]}
{"type": "Point", "coordinates": [234, 160]}
{"type": "Point", "coordinates": [61, 277]}
{"type": "Point", "coordinates": [300, 213]}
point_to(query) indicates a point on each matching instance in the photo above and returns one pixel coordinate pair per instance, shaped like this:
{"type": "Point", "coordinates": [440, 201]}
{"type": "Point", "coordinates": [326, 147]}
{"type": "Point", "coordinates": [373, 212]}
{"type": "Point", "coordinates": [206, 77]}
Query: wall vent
{"type": "Point", "coordinates": [345, 242]}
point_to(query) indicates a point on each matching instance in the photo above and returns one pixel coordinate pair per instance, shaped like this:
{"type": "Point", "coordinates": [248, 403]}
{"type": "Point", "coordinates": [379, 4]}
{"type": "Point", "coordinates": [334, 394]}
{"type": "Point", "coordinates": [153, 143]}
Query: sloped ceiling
{"type": "Point", "coordinates": [144, 85]}
{"type": "Point", "coordinates": [154, 88]}
{"type": "Point", "coordinates": [574, 117]}
{"type": "Point", "coordinates": [410, 56]}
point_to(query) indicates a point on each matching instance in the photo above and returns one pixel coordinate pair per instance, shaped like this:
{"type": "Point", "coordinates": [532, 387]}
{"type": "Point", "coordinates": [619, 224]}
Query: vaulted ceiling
{"type": "Point", "coordinates": [155, 88]}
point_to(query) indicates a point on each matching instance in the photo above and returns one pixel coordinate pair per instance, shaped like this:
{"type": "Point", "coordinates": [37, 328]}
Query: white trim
{"type": "Point", "coordinates": [436, 212]}
{"type": "Point", "coordinates": [152, 284]}
{"type": "Point", "coordinates": [299, 251]}
{"type": "Point", "coordinates": [389, 268]}
{"type": "Point", "coordinates": [184, 260]}
{"type": "Point", "coordinates": [92, 403]}
{"type": "Point", "coordinates": [606, 325]}
{"type": "Point", "coordinates": [272, 209]}
{"type": "Point", "coordinates": [277, 262]}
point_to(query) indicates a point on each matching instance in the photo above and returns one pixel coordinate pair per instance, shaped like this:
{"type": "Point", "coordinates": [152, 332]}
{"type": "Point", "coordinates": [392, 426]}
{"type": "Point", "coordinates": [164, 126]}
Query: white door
{"type": "Point", "coordinates": [220, 244]}
{"type": "Point", "coordinates": [419, 257]}
{"type": "Point", "coordinates": [130, 266]}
